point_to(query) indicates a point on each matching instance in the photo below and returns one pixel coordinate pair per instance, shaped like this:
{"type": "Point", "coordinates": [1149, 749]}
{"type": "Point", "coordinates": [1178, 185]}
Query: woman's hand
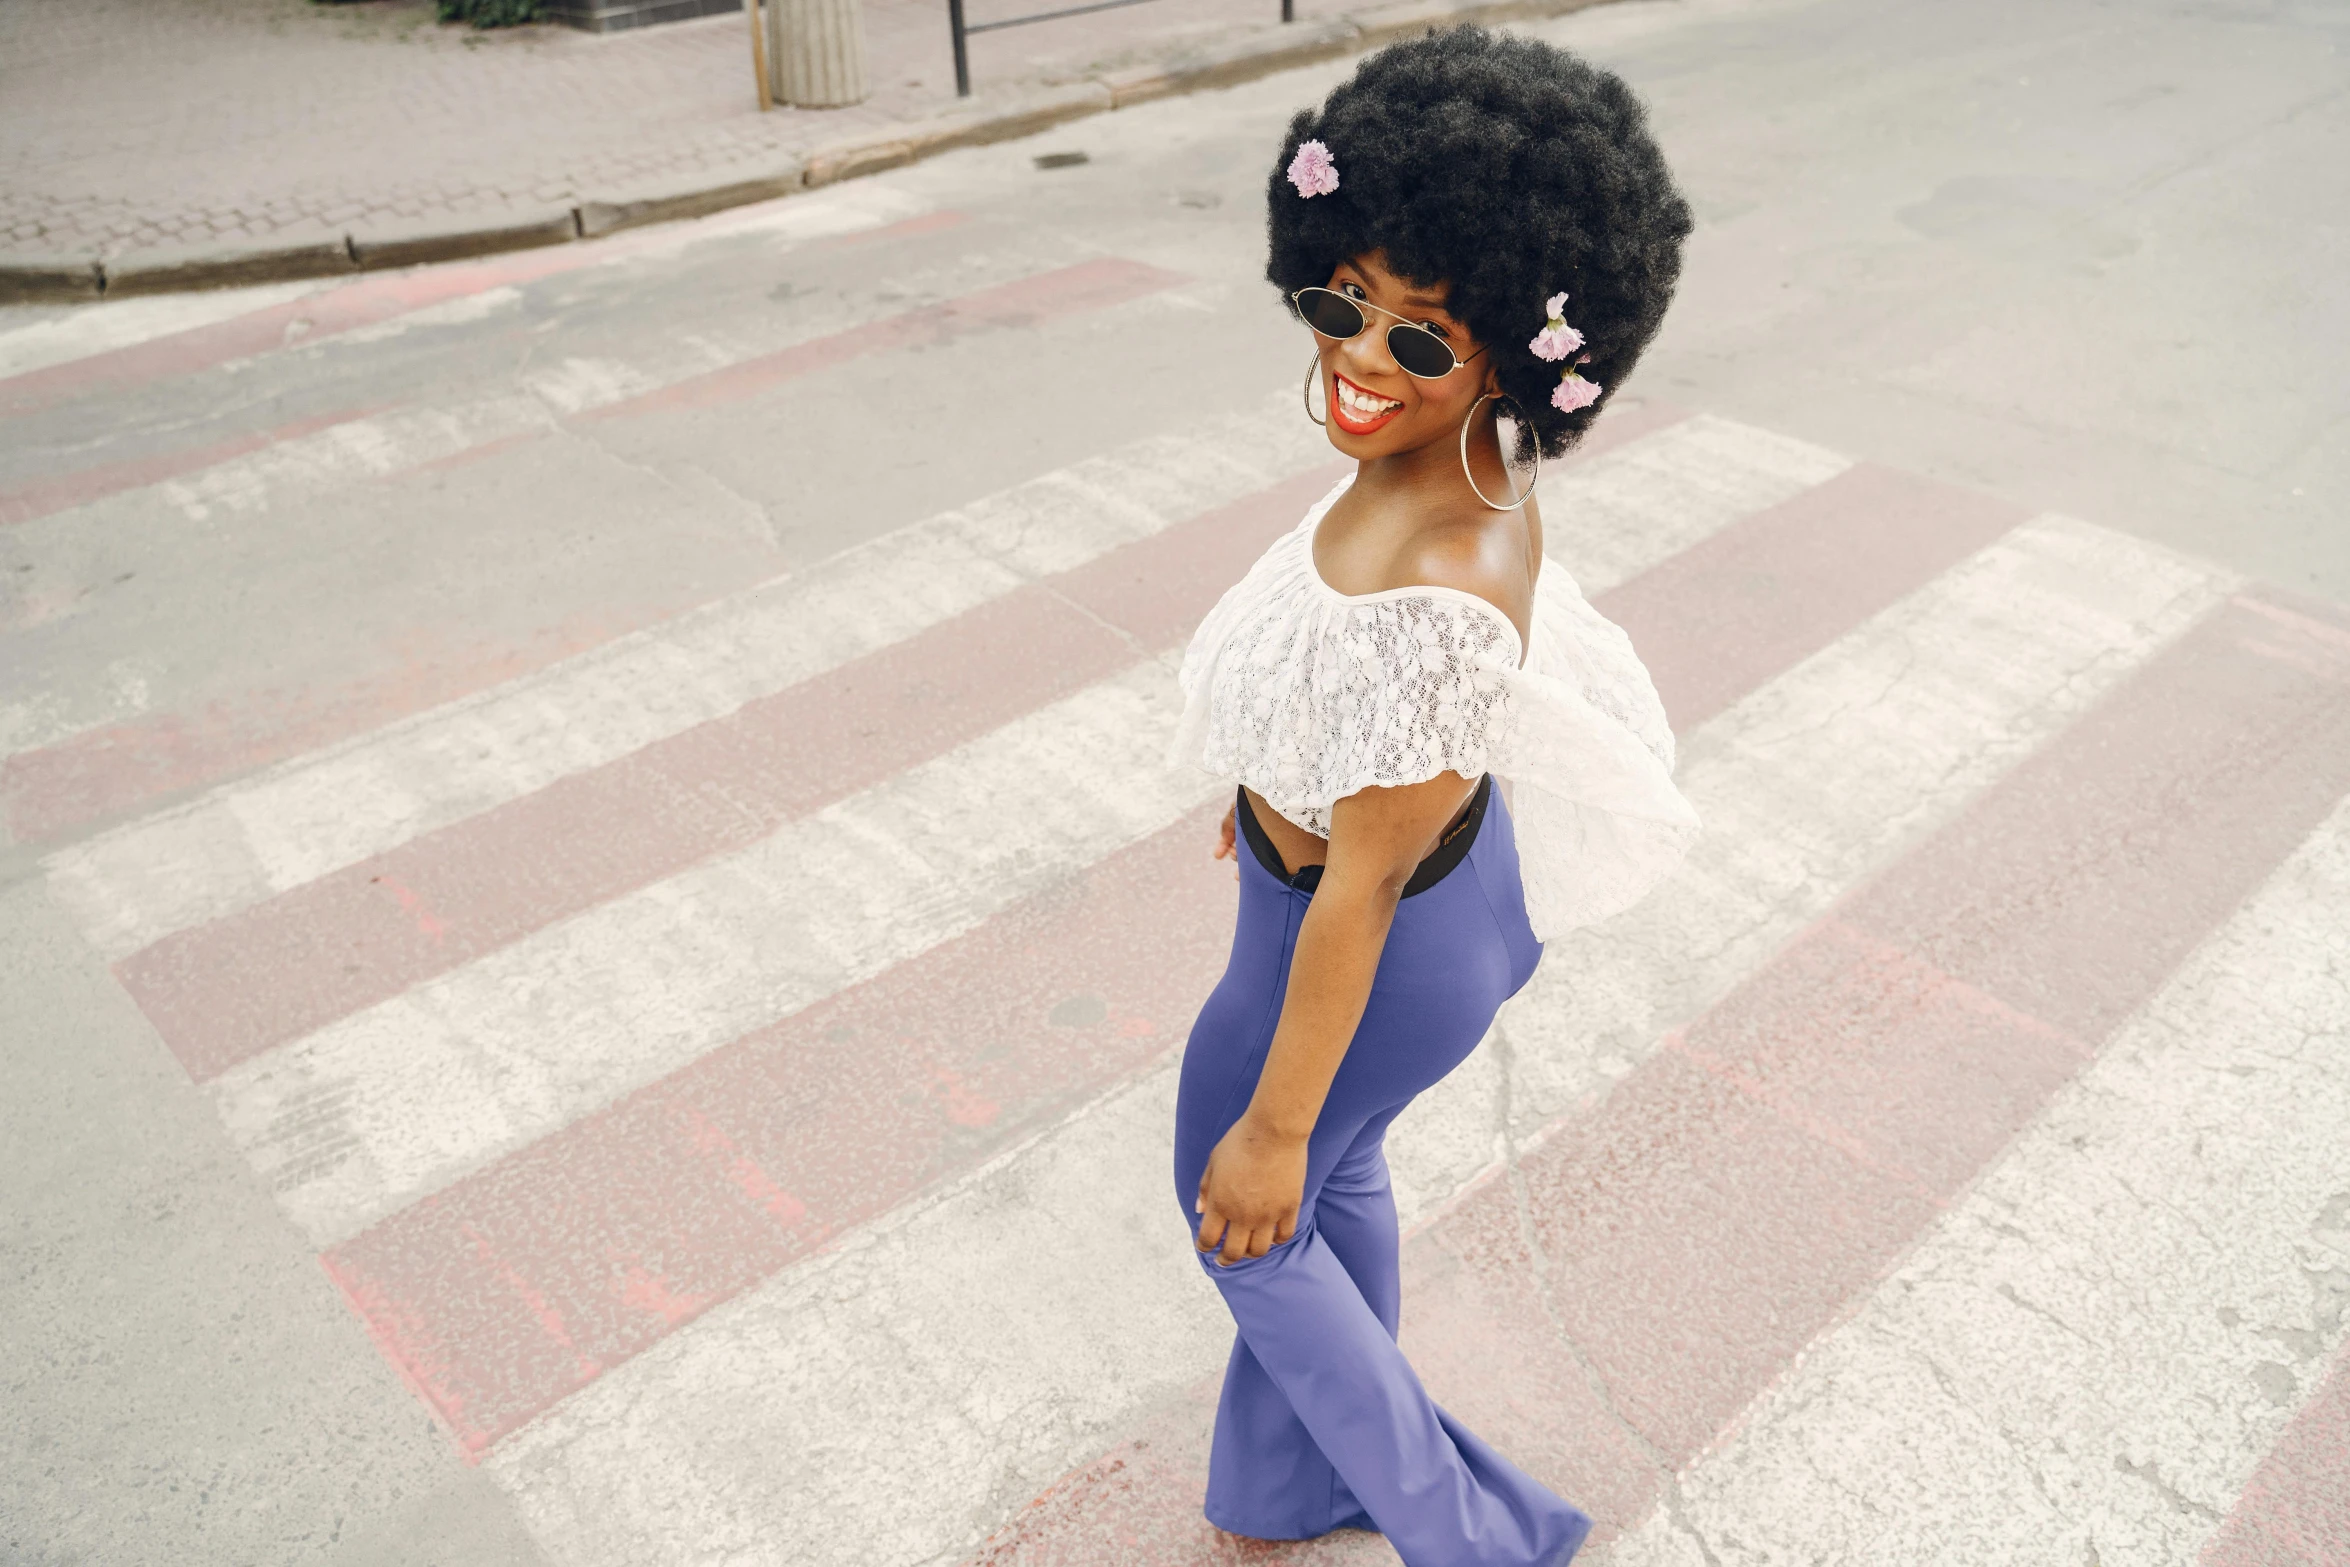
{"type": "Point", "coordinates": [1224, 845]}
{"type": "Point", "coordinates": [1250, 1191]}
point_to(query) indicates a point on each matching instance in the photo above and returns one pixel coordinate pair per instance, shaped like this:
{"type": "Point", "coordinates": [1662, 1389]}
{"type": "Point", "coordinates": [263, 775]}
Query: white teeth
{"type": "Point", "coordinates": [1362, 406]}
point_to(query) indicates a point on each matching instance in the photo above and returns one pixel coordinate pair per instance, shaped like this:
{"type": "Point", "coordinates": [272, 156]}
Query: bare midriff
{"type": "Point", "coordinates": [1297, 847]}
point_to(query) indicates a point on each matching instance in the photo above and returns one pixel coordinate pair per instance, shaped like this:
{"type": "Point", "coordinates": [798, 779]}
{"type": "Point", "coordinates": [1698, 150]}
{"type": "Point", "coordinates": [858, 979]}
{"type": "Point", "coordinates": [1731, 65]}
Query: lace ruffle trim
{"type": "Point", "coordinates": [1307, 695]}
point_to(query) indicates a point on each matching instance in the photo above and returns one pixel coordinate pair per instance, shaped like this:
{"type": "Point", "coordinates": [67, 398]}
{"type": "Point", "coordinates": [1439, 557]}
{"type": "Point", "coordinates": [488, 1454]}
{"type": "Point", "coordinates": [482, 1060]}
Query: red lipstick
{"type": "Point", "coordinates": [1346, 421]}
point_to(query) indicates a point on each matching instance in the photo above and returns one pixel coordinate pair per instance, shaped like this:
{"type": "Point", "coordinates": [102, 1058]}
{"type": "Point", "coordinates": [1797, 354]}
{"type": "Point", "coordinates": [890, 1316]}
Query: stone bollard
{"type": "Point", "coordinates": [818, 47]}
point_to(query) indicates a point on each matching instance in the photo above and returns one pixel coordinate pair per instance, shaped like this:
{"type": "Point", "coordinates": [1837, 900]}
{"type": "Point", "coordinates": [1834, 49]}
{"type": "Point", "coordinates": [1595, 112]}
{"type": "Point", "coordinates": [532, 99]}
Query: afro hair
{"type": "Point", "coordinates": [1504, 171]}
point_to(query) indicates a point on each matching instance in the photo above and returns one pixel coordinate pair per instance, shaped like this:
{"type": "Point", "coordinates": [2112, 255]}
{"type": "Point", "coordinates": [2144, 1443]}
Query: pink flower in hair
{"type": "Point", "coordinates": [1556, 340]}
{"type": "Point", "coordinates": [1311, 171]}
{"type": "Point", "coordinates": [1574, 392]}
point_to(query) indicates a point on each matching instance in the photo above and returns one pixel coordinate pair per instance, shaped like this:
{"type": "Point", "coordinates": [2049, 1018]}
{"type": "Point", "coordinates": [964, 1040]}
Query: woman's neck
{"type": "Point", "coordinates": [1428, 477]}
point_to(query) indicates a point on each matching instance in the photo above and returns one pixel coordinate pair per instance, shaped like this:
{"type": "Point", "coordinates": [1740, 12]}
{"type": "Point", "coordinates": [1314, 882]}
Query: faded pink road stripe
{"type": "Point", "coordinates": [289, 325]}
{"type": "Point", "coordinates": [101, 773]}
{"type": "Point", "coordinates": [2295, 1510]}
{"type": "Point", "coordinates": [62, 492]}
{"type": "Point", "coordinates": [1658, 1260]}
{"type": "Point", "coordinates": [636, 1219]}
{"type": "Point", "coordinates": [118, 769]}
{"type": "Point", "coordinates": [1622, 423]}
{"type": "Point", "coordinates": [1783, 583]}
{"type": "Point", "coordinates": [315, 317]}
{"type": "Point", "coordinates": [542, 1204]}
{"type": "Point", "coordinates": [1088, 285]}
{"type": "Point", "coordinates": [1138, 1506]}
{"type": "Point", "coordinates": [222, 992]}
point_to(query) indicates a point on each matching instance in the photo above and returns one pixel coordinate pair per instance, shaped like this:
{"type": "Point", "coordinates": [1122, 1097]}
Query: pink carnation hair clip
{"type": "Point", "coordinates": [1556, 341]}
{"type": "Point", "coordinates": [1574, 392]}
{"type": "Point", "coordinates": [1311, 171]}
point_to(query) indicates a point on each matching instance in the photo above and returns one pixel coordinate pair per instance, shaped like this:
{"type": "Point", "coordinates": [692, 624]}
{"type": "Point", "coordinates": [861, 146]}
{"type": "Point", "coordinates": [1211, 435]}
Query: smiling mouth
{"type": "Point", "coordinates": [1360, 412]}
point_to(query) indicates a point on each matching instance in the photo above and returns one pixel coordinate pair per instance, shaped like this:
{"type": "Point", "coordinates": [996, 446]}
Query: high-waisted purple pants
{"type": "Point", "coordinates": [1322, 1424]}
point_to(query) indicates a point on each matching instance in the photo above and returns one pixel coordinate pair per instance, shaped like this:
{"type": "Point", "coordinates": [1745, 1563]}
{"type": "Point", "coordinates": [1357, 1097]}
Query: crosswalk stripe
{"type": "Point", "coordinates": [1083, 285]}
{"type": "Point", "coordinates": [229, 990]}
{"type": "Point", "coordinates": [91, 355]}
{"type": "Point", "coordinates": [62, 492]}
{"type": "Point", "coordinates": [305, 819]}
{"type": "Point", "coordinates": [632, 1221]}
{"type": "Point", "coordinates": [245, 842]}
{"type": "Point", "coordinates": [2089, 1354]}
{"type": "Point", "coordinates": [385, 1105]}
{"type": "Point", "coordinates": [903, 1389]}
{"type": "Point", "coordinates": [952, 1417]}
{"type": "Point", "coordinates": [1616, 514]}
{"type": "Point", "coordinates": [1785, 582]}
{"type": "Point", "coordinates": [115, 764]}
{"type": "Point", "coordinates": [1806, 786]}
{"type": "Point", "coordinates": [2295, 1510]}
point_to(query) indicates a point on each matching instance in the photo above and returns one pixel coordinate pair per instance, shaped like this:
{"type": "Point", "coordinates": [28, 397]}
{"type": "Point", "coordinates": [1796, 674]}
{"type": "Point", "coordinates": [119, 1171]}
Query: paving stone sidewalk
{"type": "Point", "coordinates": [148, 145]}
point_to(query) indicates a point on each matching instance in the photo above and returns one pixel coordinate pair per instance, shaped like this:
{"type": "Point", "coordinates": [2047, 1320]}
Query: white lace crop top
{"type": "Point", "coordinates": [1306, 695]}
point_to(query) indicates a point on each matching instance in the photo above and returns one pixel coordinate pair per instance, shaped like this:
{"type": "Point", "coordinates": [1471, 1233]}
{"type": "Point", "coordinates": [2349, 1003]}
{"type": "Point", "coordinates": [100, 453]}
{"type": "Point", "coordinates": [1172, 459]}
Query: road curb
{"type": "Point", "coordinates": [75, 279]}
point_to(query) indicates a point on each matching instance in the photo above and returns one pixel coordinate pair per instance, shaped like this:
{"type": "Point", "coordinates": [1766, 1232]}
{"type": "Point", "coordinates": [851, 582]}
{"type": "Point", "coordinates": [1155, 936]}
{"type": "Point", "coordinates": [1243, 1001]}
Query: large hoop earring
{"type": "Point", "coordinates": [1313, 374]}
{"type": "Point", "coordinates": [1515, 501]}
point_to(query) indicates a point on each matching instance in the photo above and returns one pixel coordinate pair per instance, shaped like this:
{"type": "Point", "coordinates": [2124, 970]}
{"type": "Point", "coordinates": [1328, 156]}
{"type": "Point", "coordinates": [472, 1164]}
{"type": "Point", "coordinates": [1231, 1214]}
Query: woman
{"type": "Point", "coordinates": [1471, 224]}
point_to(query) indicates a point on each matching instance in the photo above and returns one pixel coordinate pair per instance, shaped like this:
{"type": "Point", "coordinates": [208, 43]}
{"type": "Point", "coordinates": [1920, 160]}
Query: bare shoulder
{"type": "Point", "coordinates": [1487, 557]}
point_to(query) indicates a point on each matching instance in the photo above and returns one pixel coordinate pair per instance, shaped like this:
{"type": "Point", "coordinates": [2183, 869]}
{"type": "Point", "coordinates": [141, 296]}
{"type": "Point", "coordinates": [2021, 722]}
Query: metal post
{"type": "Point", "coordinates": [759, 54]}
{"type": "Point", "coordinates": [962, 55]}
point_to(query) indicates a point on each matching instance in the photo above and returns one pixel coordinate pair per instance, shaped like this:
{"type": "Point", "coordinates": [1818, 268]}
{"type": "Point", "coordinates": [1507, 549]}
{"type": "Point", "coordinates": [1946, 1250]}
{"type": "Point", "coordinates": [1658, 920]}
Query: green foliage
{"type": "Point", "coordinates": [490, 13]}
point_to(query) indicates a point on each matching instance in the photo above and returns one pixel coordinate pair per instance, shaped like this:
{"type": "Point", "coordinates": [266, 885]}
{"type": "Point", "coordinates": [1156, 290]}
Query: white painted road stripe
{"type": "Point", "coordinates": [372, 1112]}
{"type": "Point", "coordinates": [2086, 1359]}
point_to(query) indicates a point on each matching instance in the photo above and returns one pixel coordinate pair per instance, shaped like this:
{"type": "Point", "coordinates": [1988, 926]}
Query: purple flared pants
{"type": "Point", "coordinates": [1322, 1423]}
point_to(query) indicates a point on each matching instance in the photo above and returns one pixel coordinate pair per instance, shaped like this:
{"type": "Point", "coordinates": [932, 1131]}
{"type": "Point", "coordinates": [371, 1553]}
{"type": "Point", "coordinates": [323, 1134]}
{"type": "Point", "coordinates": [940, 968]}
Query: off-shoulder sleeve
{"type": "Point", "coordinates": [1419, 686]}
{"type": "Point", "coordinates": [1590, 760]}
{"type": "Point", "coordinates": [1352, 693]}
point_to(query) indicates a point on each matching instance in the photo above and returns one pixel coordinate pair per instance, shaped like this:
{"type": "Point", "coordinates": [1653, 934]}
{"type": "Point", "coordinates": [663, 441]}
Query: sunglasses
{"type": "Point", "coordinates": [1340, 316]}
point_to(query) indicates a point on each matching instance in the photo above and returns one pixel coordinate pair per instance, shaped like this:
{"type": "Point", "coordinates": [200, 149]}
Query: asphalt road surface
{"type": "Point", "coordinates": [595, 927]}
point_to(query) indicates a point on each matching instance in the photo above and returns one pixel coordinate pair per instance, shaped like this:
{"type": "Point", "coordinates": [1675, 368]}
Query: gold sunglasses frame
{"type": "Point", "coordinates": [1363, 307]}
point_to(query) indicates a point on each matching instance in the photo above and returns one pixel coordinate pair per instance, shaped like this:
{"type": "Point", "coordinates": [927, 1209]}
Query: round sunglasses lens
{"type": "Point", "coordinates": [1331, 314]}
{"type": "Point", "coordinates": [1420, 352]}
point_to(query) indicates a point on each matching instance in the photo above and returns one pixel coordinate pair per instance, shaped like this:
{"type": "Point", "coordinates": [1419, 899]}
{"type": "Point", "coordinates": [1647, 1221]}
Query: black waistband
{"type": "Point", "coordinates": [1450, 850]}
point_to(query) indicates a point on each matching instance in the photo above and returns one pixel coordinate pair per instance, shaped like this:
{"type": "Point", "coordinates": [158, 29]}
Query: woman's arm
{"type": "Point", "coordinates": [1255, 1179]}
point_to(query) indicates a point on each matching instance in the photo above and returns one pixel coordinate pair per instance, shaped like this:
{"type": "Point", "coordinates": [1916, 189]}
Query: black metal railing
{"type": "Point", "coordinates": [963, 30]}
